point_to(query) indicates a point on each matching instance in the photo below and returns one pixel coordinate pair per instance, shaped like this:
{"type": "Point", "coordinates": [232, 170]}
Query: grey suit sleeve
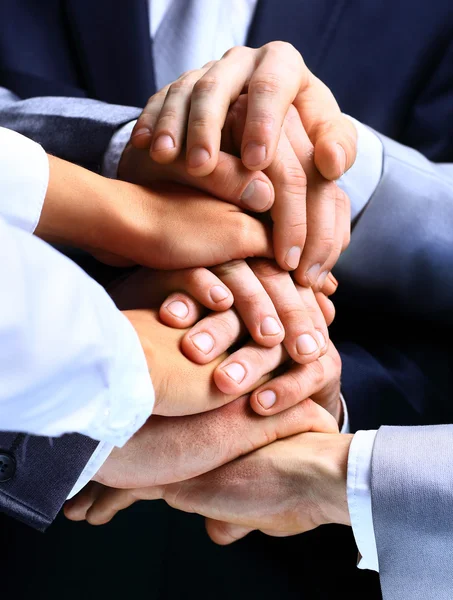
{"type": "Point", "coordinates": [76, 129]}
{"type": "Point", "coordinates": [412, 500]}
{"type": "Point", "coordinates": [401, 253]}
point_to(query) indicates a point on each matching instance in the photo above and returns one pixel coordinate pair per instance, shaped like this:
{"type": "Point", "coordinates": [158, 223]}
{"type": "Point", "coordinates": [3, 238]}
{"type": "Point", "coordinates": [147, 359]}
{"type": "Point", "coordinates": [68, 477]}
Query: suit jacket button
{"type": "Point", "coordinates": [7, 466]}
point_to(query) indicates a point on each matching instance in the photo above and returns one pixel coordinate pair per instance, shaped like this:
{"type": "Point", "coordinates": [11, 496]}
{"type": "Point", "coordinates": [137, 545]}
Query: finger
{"type": "Point", "coordinates": [341, 236]}
{"type": "Point", "coordinates": [199, 288]}
{"type": "Point", "coordinates": [229, 181]}
{"type": "Point", "coordinates": [298, 383]}
{"type": "Point", "coordinates": [252, 302]}
{"type": "Point", "coordinates": [327, 307]}
{"type": "Point", "coordinates": [212, 95]}
{"type": "Point", "coordinates": [142, 132]}
{"type": "Point", "coordinates": [223, 533]}
{"type": "Point", "coordinates": [302, 340]}
{"type": "Point", "coordinates": [77, 508]}
{"type": "Point", "coordinates": [314, 312]}
{"type": "Point", "coordinates": [148, 288]}
{"type": "Point", "coordinates": [320, 205]}
{"type": "Point", "coordinates": [170, 128]}
{"type": "Point", "coordinates": [289, 212]}
{"type": "Point", "coordinates": [246, 368]}
{"type": "Point", "coordinates": [333, 136]}
{"type": "Point", "coordinates": [347, 220]}
{"type": "Point", "coordinates": [279, 74]}
{"type": "Point", "coordinates": [109, 502]}
{"type": "Point", "coordinates": [330, 285]}
{"type": "Point", "coordinates": [212, 336]}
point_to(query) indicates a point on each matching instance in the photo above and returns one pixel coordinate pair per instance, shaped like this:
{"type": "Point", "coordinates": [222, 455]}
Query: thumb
{"type": "Point", "coordinates": [223, 533]}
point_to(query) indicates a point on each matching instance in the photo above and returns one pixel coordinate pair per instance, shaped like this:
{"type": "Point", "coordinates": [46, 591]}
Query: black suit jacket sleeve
{"type": "Point", "coordinates": [46, 470]}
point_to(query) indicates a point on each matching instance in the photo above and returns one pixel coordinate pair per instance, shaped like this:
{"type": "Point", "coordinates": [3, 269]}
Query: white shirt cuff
{"type": "Point", "coordinates": [24, 177]}
{"type": "Point", "coordinates": [115, 150]}
{"type": "Point", "coordinates": [345, 427]}
{"type": "Point", "coordinates": [359, 498]}
{"type": "Point", "coordinates": [96, 461]}
{"type": "Point", "coordinates": [362, 179]}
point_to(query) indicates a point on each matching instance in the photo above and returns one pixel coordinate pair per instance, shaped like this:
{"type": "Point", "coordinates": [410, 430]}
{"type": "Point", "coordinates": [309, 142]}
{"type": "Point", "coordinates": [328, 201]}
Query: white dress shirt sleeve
{"type": "Point", "coordinates": [69, 360]}
{"type": "Point", "coordinates": [24, 170]}
{"type": "Point", "coordinates": [362, 179]}
{"type": "Point", "coordinates": [359, 498]}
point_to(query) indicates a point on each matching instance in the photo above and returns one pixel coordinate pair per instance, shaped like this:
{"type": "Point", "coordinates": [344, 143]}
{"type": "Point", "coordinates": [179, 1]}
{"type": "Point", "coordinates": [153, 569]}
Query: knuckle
{"type": "Point", "coordinates": [256, 356]}
{"type": "Point", "coordinates": [229, 268]}
{"type": "Point", "coordinates": [264, 120]}
{"type": "Point", "coordinates": [294, 387]}
{"type": "Point", "coordinates": [265, 269]}
{"type": "Point", "coordinates": [183, 84]}
{"type": "Point", "coordinates": [316, 372]}
{"type": "Point", "coordinates": [268, 84]}
{"type": "Point", "coordinates": [205, 85]}
{"type": "Point", "coordinates": [203, 121]}
{"type": "Point", "coordinates": [222, 324]}
{"type": "Point", "coordinates": [292, 312]}
{"type": "Point", "coordinates": [280, 46]}
{"type": "Point", "coordinates": [194, 278]}
{"type": "Point", "coordinates": [236, 51]}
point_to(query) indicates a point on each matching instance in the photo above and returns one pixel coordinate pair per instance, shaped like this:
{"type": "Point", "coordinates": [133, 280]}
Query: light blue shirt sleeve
{"type": "Point", "coordinates": [359, 498]}
{"type": "Point", "coordinates": [362, 179]}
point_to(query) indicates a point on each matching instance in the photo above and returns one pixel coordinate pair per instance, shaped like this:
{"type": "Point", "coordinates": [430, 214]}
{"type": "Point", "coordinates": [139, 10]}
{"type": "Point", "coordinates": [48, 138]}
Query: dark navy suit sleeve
{"type": "Point", "coordinates": [402, 382]}
{"type": "Point", "coordinates": [44, 473]}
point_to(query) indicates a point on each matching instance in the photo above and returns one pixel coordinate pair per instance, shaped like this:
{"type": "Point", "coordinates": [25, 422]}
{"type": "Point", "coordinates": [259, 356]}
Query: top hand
{"type": "Point", "coordinates": [311, 224]}
{"type": "Point", "coordinates": [274, 76]}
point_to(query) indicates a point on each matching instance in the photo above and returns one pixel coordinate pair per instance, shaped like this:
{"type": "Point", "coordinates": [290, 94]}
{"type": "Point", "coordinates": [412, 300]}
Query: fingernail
{"type": "Point", "coordinates": [218, 293]}
{"type": "Point", "coordinates": [322, 278]}
{"type": "Point", "coordinates": [321, 339]}
{"type": "Point", "coordinates": [267, 398]}
{"type": "Point", "coordinates": [254, 154]}
{"type": "Point", "coordinates": [270, 326]}
{"type": "Point", "coordinates": [256, 195]}
{"type": "Point", "coordinates": [341, 158]}
{"type": "Point", "coordinates": [141, 131]}
{"type": "Point", "coordinates": [305, 344]}
{"type": "Point", "coordinates": [312, 273]}
{"type": "Point", "coordinates": [235, 371]}
{"type": "Point", "coordinates": [163, 142]}
{"type": "Point", "coordinates": [203, 341]}
{"type": "Point", "coordinates": [293, 257]}
{"type": "Point", "coordinates": [197, 157]}
{"type": "Point", "coordinates": [178, 309]}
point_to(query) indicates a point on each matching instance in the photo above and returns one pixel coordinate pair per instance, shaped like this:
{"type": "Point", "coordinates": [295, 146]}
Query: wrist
{"type": "Point", "coordinates": [333, 464]}
{"type": "Point", "coordinates": [76, 206]}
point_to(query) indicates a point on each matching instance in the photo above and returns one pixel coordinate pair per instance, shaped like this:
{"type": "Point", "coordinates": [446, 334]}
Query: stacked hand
{"type": "Point", "coordinates": [262, 139]}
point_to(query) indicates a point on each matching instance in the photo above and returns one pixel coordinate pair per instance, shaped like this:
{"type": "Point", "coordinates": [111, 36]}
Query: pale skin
{"type": "Point", "coordinates": [285, 488]}
{"type": "Point", "coordinates": [166, 450]}
{"type": "Point", "coordinates": [123, 219]}
{"type": "Point", "coordinates": [191, 114]}
{"type": "Point", "coordinates": [317, 379]}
